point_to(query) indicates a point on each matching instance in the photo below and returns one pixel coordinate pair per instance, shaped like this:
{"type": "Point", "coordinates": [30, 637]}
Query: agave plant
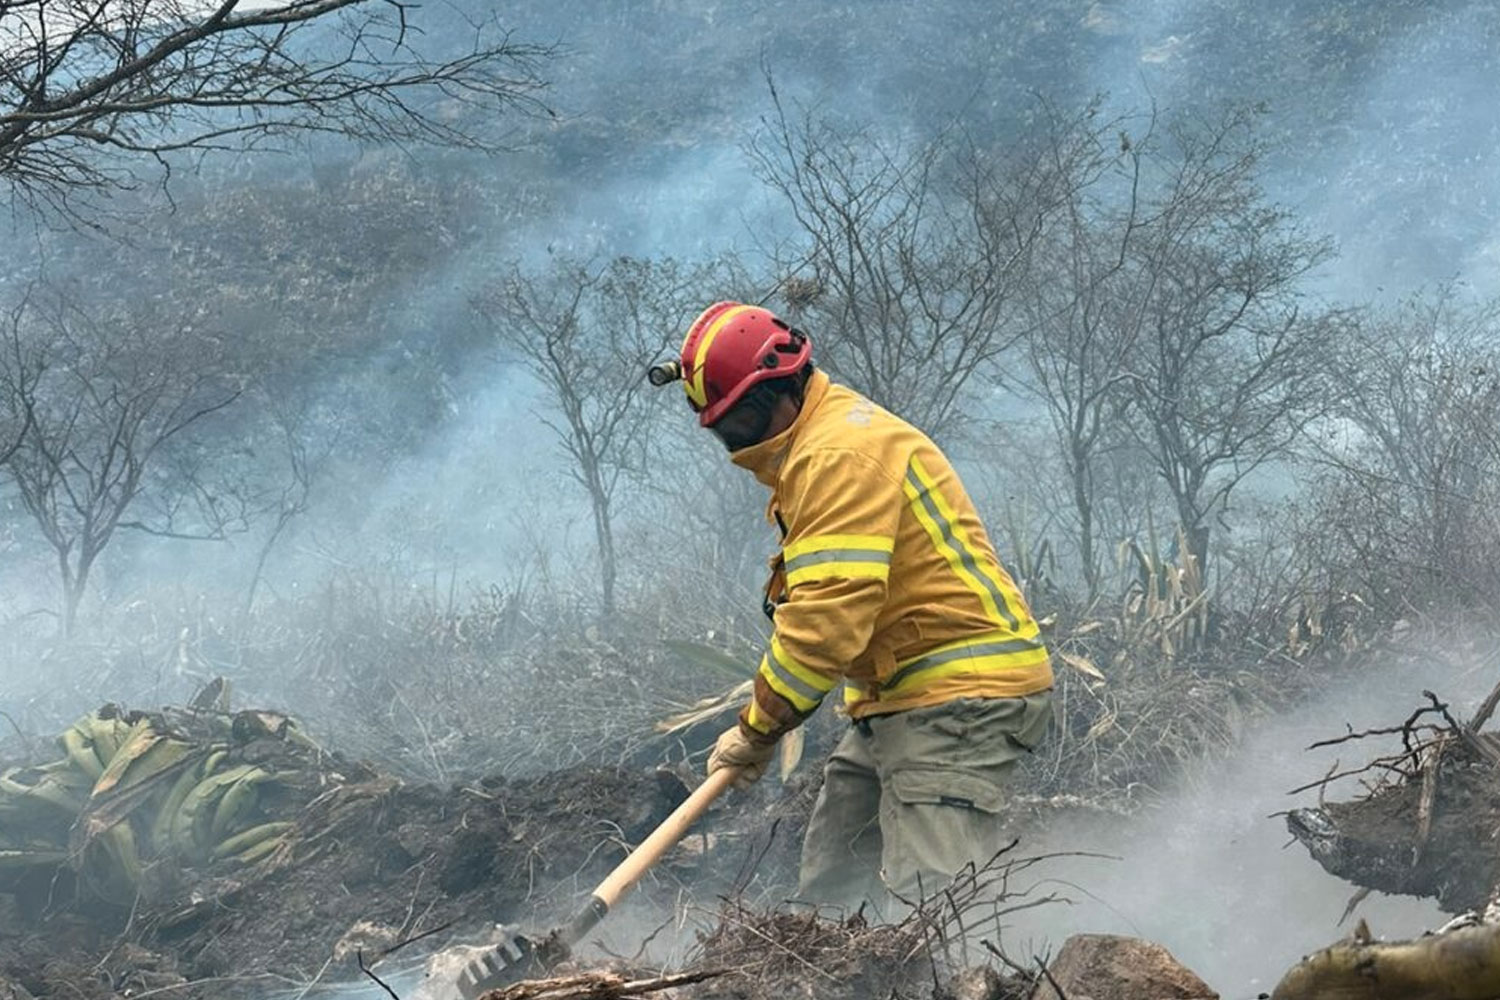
{"type": "Point", "coordinates": [1166, 605]}
{"type": "Point", "coordinates": [733, 699]}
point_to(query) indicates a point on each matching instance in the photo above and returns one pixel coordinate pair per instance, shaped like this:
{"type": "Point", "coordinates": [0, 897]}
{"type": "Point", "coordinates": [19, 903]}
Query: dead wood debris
{"type": "Point", "coordinates": [1428, 820]}
{"type": "Point", "coordinates": [1463, 964]}
{"type": "Point", "coordinates": [599, 986]}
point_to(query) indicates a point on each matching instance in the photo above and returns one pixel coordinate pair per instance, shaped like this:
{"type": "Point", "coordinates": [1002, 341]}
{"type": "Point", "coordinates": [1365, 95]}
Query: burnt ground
{"type": "Point", "coordinates": [380, 866]}
{"type": "Point", "coordinates": [1377, 842]}
{"type": "Point", "coordinates": [402, 860]}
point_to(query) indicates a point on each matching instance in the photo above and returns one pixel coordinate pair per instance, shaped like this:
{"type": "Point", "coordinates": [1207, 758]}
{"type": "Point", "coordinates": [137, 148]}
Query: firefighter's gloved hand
{"type": "Point", "coordinates": [735, 749]}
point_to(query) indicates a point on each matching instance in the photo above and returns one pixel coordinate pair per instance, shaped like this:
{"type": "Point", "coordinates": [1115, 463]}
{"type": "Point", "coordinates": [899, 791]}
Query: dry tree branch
{"type": "Point", "coordinates": [95, 100]}
{"type": "Point", "coordinates": [359, 957]}
{"type": "Point", "coordinates": [1486, 710]}
{"type": "Point", "coordinates": [602, 986]}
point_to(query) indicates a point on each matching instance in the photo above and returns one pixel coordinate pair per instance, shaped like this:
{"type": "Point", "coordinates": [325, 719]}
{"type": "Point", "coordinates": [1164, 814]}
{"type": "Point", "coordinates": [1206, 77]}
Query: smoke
{"type": "Point", "coordinates": [1382, 114]}
{"type": "Point", "coordinates": [1212, 874]}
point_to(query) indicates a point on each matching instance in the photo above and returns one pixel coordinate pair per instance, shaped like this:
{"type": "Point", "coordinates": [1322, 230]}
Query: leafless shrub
{"type": "Point", "coordinates": [1404, 509]}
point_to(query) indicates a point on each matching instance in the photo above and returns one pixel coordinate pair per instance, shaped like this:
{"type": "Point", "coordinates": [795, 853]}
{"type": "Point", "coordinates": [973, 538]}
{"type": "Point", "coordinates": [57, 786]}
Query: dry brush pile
{"type": "Point", "coordinates": [1426, 823]}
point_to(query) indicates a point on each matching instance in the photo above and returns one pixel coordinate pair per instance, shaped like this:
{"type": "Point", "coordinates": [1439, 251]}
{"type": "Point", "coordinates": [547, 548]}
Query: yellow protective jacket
{"type": "Point", "coordinates": [890, 583]}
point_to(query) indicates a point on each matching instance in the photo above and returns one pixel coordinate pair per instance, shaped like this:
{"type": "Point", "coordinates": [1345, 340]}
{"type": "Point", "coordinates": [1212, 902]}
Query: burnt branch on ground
{"type": "Point", "coordinates": [1429, 825]}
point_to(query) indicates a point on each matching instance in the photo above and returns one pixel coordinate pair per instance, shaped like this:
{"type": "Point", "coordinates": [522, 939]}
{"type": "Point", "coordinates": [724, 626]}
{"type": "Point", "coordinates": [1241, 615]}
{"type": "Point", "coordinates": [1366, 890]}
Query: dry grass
{"type": "Point", "coordinates": [803, 953]}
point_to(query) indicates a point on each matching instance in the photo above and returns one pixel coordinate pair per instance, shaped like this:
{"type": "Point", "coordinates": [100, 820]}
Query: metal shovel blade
{"type": "Point", "coordinates": [504, 964]}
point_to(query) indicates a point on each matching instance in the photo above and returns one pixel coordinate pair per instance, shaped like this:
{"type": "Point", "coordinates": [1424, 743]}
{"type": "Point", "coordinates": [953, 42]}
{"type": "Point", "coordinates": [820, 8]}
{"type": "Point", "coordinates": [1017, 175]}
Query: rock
{"type": "Point", "coordinates": [1105, 967]}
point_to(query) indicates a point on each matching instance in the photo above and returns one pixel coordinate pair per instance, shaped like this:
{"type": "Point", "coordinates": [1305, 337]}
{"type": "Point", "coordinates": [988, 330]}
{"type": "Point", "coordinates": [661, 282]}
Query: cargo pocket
{"type": "Point", "coordinates": [934, 824]}
{"type": "Point", "coordinates": [1034, 721]}
{"type": "Point", "coordinates": [955, 789]}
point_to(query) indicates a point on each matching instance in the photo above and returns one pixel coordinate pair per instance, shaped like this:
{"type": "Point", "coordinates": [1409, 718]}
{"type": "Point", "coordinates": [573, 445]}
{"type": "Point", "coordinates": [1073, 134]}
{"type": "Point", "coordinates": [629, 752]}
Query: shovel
{"type": "Point", "coordinates": [513, 960]}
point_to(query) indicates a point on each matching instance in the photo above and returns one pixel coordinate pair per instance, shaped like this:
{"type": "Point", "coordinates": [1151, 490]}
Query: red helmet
{"type": "Point", "coordinates": [731, 347]}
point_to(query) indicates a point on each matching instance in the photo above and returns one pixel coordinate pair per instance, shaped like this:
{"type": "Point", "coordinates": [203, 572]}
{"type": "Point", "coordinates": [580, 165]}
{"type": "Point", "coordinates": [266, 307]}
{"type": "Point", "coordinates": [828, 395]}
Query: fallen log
{"type": "Point", "coordinates": [1462, 964]}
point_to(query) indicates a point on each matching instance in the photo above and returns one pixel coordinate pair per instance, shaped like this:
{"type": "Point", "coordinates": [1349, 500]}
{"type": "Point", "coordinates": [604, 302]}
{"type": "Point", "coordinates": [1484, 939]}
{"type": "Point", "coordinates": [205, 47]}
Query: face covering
{"type": "Point", "coordinates": [747, 421]}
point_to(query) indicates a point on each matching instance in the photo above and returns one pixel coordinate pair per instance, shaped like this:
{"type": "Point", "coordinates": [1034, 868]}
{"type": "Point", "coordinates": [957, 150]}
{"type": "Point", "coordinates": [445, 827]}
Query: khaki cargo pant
{"type": "Point", "coordinates": [909, 799]}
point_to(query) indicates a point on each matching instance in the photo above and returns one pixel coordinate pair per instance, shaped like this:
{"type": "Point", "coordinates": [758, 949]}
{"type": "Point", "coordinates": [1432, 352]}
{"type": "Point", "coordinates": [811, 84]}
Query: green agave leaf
{"type": "Point", "coordinates": [707, 656]}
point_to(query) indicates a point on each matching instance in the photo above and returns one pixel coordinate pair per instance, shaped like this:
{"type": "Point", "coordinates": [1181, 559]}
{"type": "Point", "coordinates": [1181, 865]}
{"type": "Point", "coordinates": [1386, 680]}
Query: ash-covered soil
{"type": "Point", "coordinates": [400, 861]}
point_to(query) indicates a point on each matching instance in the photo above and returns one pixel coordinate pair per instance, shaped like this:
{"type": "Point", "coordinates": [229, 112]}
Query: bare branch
{"type": "Point", "coordinates": [91, 94]}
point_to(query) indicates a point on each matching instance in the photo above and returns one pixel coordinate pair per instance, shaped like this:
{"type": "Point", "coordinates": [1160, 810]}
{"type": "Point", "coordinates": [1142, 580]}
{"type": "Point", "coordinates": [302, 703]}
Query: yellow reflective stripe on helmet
{"type": "Point", "coordinates": [838, 556]}
{"type": "Point", "coordinates": [996, 652]}
{"type": "Point", "coordinates": [757, 720]}
{"type": "Point", "coordinates": [695, 388]}
{"type": "Point", "coordinates": [802, 687]}
{"type": "Point", "coordinates": [942, 527]}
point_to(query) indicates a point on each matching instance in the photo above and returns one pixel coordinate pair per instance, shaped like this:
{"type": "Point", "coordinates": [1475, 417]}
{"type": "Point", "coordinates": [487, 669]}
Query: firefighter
{"type": "Point", "coordinates": [887, 582]}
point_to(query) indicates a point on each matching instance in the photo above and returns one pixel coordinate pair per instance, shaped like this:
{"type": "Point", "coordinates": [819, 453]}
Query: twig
{"type": "Point", "coordinates": [1486, 709]}
{"type": "Point", "coordinates": [29, 752]}
{"type": "Point", "coordinates": [1323, 788]}
{"type": "Point", "coordinates": [1386, 763]}
{"type": "Point", "coordinates": [417, 937]}
{"type": "Point", "coordinates": [1430, 774]}
{"type": "Point", "coordinates": [640, 952]}
{"type": "Point", "coordinates": [594, 986]}
{"type": "Point", "coordinates": [937, 986]}
{"type": "Point", "coordinates": [753, 860]}
{"type": "Point", "coordinates": [359, 956]}
{"type": "Point", "coordinates": [1047, 975]}
{"type": "Point", "coordinates": [1480, 749]}
{"type": "Point", "coordinates": [778, 945]}
{"type": "Point", "coordinates": [1354, 901]}
{"type": "Point", "coordinates": [1008, 962]}
{"type": "Point", "coordinates": [194, 983]}
{"type": "Point", "coordinates": [314, 980]}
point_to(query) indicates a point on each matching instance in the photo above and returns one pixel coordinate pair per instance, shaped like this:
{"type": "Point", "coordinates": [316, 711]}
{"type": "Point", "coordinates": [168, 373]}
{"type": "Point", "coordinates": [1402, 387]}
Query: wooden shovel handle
{"type": "Point", "coordinates": [664, 837]}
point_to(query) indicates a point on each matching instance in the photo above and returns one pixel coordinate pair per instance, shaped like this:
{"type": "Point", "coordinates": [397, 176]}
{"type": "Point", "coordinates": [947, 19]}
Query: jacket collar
{"type": "Point", "coordinates": [765, 458]}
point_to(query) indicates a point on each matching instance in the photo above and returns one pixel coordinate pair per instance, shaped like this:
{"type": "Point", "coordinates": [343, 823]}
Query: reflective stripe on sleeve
{"type": "Point", "coordinates": [800, 686]}
{"type": "Point", "coordinates": [758, 720]}
{"type": "Point", "coordinates": [835, 556]}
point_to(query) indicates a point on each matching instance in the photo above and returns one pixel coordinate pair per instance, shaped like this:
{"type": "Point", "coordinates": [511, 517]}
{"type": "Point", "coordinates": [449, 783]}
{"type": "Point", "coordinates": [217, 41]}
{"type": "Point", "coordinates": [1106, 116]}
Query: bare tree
{"type": "Point", "coordinates": [1415, 457]}
{"type": "Point", "coordinates": [93, 91]}
{"type": "Point", "coordinates": [108, 399]}
{"type": "Point", "coordinates": [19, 373]}
{"type": "Point", "coordinates": [1230, 367]}
{"type": "Point", "coordinates": [1082, 307]}
{"type": "Point", "coordinates": [587, 334]}
{"type": "Point", "coordinates": [306, 453]}
{"type": "Point", "coordinates": [909, 256]}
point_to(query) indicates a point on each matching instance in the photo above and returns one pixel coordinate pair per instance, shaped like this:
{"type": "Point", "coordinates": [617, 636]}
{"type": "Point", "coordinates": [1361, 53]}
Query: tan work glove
{"type": "Point", "coordinates": [734, 749]}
